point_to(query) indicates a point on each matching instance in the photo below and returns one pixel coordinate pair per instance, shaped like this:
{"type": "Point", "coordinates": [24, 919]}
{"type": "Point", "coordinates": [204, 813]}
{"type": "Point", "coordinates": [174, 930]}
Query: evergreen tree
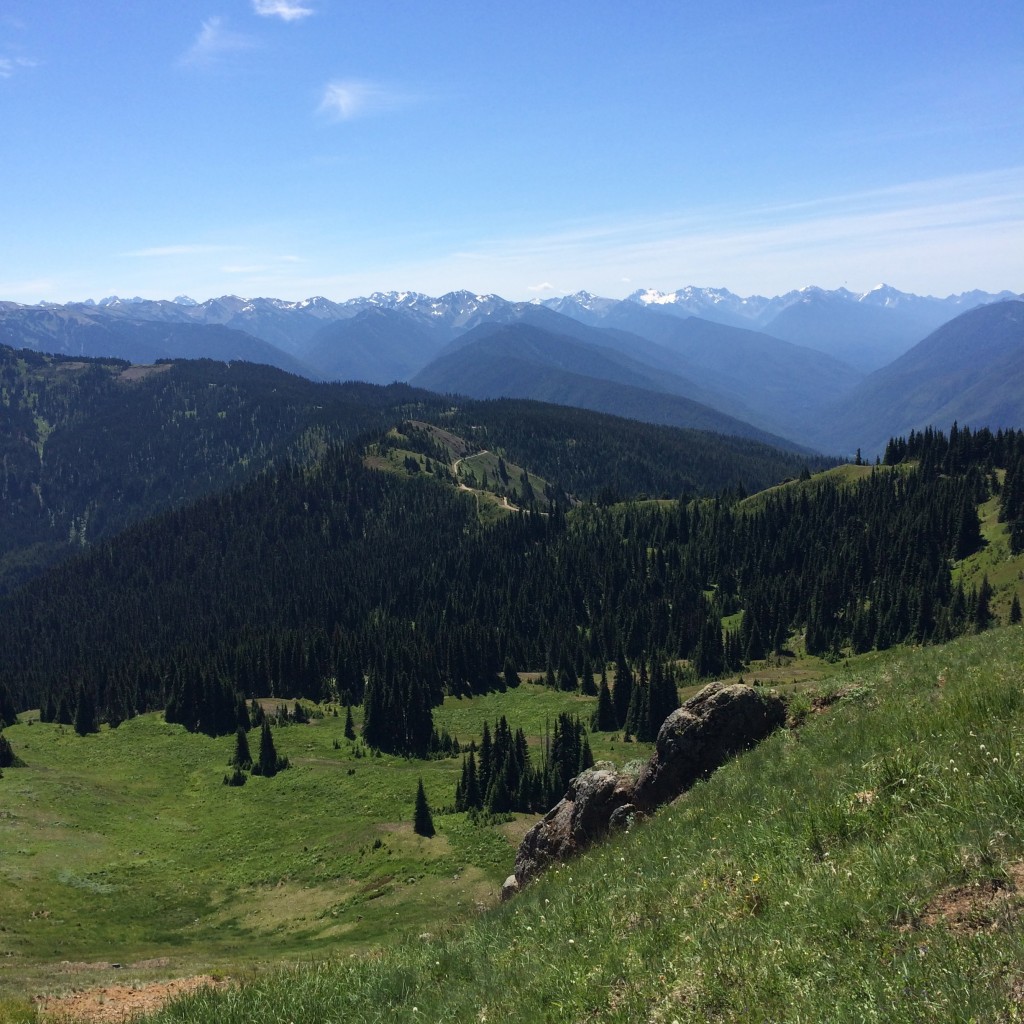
{"type": "Point", "coordinates": [8, 711]}
{"type": "Point", "coordinates": [256, 714]}
{"type": "Point", "coordinates": [65, 714]}
{"type": "Point", "coordinates": [509, 675]}
{"type": "Point", "coordinates": [467, 793]}
{"type": "Point", "coordinates": [604, 714]}
{"type": "Point", "coordinates": [982, 607]}
{"type": "Point", "coordinates": [587, 687]}
{"type": "Point", "coordinates": [623, 692]}
{"type": "Point", "coordinates": [242, 759]}
{"type": "Point", "coordinates": [422, 821]}
{"type": "Point", "coordinates": [1015, 612]}
{"type": "Point", "coordinates": [269, 764]}
{"type": "Point", "coordinates": [350, 729]}
{"type": "Point", "coordinates": [968, 528]}
{"type": "Point", "coordinates": [85, 712]}
{"type": "Point", "coordinates": [8, 759]}
{"type": "Point", "coordinates": [486, 767]}
{"type": "Point", "coordinates": [662, 700]}
{"type": "Point", "coordinates": [566, 678]}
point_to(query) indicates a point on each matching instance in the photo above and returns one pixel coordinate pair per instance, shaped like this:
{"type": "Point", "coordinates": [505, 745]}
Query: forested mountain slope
{"type": "Point", "coordinates": [90, 446]}
{"type": "Point", "coordinates": [970, 370]}
{"type": "Point", "coordinates": [521, 360]}
{"type": "Point", "coordinates": [326, 577]}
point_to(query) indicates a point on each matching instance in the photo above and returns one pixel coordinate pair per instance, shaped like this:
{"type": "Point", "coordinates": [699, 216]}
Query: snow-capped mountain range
{"type": "Point", "coordinates": [776, 363]}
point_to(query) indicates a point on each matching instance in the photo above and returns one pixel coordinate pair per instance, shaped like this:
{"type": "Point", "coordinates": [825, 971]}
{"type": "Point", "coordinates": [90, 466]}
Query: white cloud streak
{"type": "Point", "coordinates": [10, 66]}
{"type": "Point", "coordinates": [346, 99]}
{"type": "Point", "coordinates": [215, 40]}
{"type": "Point", "coordinates": [178, 250]}
{"type": "Point", "coordinates": [286, 10]}
{"type": "Point", "coordinates": [966, 231]}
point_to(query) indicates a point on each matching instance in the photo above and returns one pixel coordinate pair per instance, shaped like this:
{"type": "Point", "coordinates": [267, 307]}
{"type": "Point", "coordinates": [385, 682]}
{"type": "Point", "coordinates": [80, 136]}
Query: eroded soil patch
{"type": "Point", "coordinates": [978, 906]}
{"type": "Point", "coordinates": [118, 1003]}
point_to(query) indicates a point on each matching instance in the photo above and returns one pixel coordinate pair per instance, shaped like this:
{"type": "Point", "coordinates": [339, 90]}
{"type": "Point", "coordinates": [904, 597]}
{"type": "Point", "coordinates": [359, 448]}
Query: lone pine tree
{"type": "Point", "coordinates": [422, 820]}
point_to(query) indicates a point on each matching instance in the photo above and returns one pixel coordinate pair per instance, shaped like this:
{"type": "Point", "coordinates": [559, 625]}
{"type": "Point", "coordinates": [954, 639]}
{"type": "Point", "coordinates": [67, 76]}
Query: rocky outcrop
{"type": "Point", "coordinates": [702, 735]}
{"type": "Point", "coordinates": [576, 821]}
{"type": "Point", "coordinates": [694, 740]}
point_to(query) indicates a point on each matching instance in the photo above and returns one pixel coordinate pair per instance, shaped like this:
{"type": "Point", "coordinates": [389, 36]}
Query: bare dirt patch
{"type": "Point", "coordinates": [978, 906]}
{"type": "Point", "coordinates": [118, 1003]}
{"type": "Point", "coordinates": [134, 373]}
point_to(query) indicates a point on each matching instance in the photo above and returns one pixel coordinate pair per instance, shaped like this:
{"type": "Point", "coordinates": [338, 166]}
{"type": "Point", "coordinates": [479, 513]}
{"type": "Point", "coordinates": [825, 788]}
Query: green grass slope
{"type": "Point", "coordinates": [868, 866]}
{"type": "Point", "coordinates": [126, 847]}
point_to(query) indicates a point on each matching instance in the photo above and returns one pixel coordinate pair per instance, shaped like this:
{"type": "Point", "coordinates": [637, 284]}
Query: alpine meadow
{"type": "Point", "coordinates": [479, 545]}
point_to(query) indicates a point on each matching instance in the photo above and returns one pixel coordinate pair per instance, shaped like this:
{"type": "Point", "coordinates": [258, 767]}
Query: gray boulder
{"type": "Point", "coordinates": [582, 816]}
{"type": "Point", "coordinates": [712, 726]}
{"type": "Point", "coordinates": [694, 740]}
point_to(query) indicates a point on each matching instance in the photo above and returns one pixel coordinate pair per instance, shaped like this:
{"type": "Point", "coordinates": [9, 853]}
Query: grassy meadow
{"type": "Point", "coordinates": [125, 846]}
{"type": "Point", "coordinates": [867, 866]}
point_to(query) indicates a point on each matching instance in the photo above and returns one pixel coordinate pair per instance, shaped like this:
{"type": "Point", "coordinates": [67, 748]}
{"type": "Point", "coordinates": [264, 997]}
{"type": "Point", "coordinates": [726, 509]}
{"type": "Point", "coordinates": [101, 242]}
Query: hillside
{"type": "Point", "coordinates": [863, 334]}
{"type": "Point", "coordinates": [868, 865]}
{"type": "Point", "coordinates": [170, 862]}
{"type": "Point", "coordinates": [786, 366]}
{"type": "Point", "coordinates": [970, 370]}
{"type": "Point", "coordinates": [376, 345]}
{"type": "Point", "coordinates": [91, 446]}
{"type": "Point", "coordinates": [93, 333]}
{"type": "Point", "coordinates": [404, 585]}
{"type": "Point", "coordinates": [523, 361]}
{"type": "Point", "coordinates": [399, 598]}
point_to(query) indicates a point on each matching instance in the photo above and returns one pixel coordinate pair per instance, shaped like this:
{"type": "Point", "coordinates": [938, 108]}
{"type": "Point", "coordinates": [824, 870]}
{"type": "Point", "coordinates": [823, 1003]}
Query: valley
{"type": "Point", "coordinates": [386, 582]}
{"type": "Point", "coordinates": [477, 543]}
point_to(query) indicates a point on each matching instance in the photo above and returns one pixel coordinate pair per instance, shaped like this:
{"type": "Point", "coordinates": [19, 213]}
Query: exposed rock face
{"type": "Point", "coordinates": [576, 821]}
{"type": "Point", "coordinates": [694, 740]}
{"type": "Point", "coordinates": [702, 735]}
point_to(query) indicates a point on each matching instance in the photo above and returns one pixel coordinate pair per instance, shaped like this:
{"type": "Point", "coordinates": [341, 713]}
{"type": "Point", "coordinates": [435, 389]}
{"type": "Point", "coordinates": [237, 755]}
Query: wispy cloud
{"type": "Point", "coordinates": [215, 40]}
{"type": "Point", "coordinates": [10, 66]}
{"type": "Point", "coordinates": [29, 292]}
{"type": "Point", "coordinates": [287, 10]}
{"type": "Point", "coordinates": [942, 234]}
{"type": "Point", "coordinates": [345, 99]}
{"type": "Point", "coordinates": [547, 286]}
{"type": "Point", "coordinates": [178, 250]}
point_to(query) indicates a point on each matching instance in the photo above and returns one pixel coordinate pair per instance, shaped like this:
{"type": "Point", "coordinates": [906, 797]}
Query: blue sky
{"type": "Point", "coordinates": [301, 147]}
